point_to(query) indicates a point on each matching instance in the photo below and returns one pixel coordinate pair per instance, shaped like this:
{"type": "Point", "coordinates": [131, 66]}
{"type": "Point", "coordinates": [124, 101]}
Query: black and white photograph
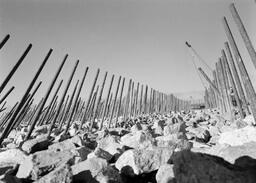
{"type": "Point", "coordinates": [127, 91]}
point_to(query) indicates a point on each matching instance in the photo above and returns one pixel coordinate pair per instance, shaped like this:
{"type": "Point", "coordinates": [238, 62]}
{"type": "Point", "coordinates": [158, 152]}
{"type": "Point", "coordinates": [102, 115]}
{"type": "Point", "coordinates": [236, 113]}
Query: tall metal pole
{"type": "Point", "coordinates": [38, 113]}
{"type": "Point", "coordinates": [15, 67]}
{"type": "Point", "coordinates": [76, 99]}
{"type": "Point", "coordinates": [23, 100]}
{"type": "Point", "coordinates": [62, 99]}
{"type": "Point", "coordinates": [89, 100]}
{"type": "Point", "coordinates": [6, 95]}
{"type": "Point", "coordinates": [49, 106]}
{"type": "Point", "coordinates": [4, 41]}
{"type": "Point", "coordinates": [243, 33]}
{"type": "Point", "coordinates": [71, 100]}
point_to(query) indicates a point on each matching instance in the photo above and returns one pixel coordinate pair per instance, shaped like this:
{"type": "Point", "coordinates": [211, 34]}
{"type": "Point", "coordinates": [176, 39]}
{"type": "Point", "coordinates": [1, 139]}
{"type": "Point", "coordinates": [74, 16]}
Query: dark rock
{"type": "Point", "coordinates": [61, 174]}
{"type": "Point", "coordinates": [36, 144]}
{"type": "Point", "coordinates": [93, 170]}
{"type": "Point", "coordinates": [190, 167]}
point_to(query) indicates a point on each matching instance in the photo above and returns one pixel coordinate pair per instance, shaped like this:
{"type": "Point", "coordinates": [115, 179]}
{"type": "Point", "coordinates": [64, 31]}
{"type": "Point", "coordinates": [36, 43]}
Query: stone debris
{"type": "Point", "coordinates": [197, 146]}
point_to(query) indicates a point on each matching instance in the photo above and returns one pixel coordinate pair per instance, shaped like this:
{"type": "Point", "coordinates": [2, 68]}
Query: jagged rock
{"type": "Point", "coordinates": [175, 128]}
{"type": "Point", "coordinates": [39, 130]}
{"type": "Point", "coordinates": [7, 141]}
{"type": "Point", "coordinates": [81, 153]}
{"type": "Point", "coordinates": [43, 162]}
{"type": "Point", "coordinates": [12, 156]}
{"type": "Point", "coordinates": [36, 144]}
{"type": "Point", "coordinates": [238, 136]}
{"type": "Point", "coordinates": [249, 120]}
{"type": "Point", "coordinates": [214, 131]}
{"type": "Point", "coordinates": [139, 139]}
{"type": "Point", "coordinates": [158, 130]}
{"type": "Point", "coordinates": [71, 143]}
{"type": "Point", "coordinates": [201, 134]}
{"type": "Point", "coordinates": [175, 140]}
{"type": "Point", "coordinates": [165, 174]}
{"type": "Point", "coordinates": [61, 174]}
{"type": "Point", "coordinates": [118, 131]}
{"type": "Point", "coordinates": [136, 127]}
{"type": "Point", "coordinates": [111, 144]}
{"type": "Point", "coordinates": [11, 146]}
{"type": "Point", "coordinates": [101, 134]}
{"type": "Point", "coordinates": [137, 161]}
{"type": "Point", "coordinates": [77, 140]}
{"type": "Point", "coordinates": [100, 153]}
{"type": "Point", "coordinates": [159, 123]}
{"type": "Point", "coordinates": [73, 129]}
{"type": "Point", "coordinates": [240, 123]}
{"type": "Point", "coordinates": [61, 146]}
{"type": "Point", "coordinates": [59, 137]}
{"type": "Point", "coordinates": [190, 167]}
{"type": "Point", "coordinates": [95, 169]}
{"type": "Point", "coordinates": [232, 153]}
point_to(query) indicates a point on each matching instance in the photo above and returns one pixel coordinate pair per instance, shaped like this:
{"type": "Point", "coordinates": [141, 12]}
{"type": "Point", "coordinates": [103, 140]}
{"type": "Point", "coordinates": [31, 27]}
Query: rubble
{"type": "Point", "coordinates": [200, 148]}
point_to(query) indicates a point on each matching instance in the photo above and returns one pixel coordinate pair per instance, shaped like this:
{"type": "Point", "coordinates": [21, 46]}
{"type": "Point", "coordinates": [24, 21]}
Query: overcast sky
{"type": "Point", "coordinates": [138, 39]}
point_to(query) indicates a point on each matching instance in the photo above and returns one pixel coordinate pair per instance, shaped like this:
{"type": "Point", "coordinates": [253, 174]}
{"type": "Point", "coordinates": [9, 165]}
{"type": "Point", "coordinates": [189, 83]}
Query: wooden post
{"type": "Point", "coordinates": [99, 98]}
{"type": "Point", "coordinates": [145, 99]}
{"type": "Point", "coordinates": [221, 86]}
{"type": "Point", "coordinates": [236, 77]}
{"type": "Point", "coordinates": [225, 84]}
{"type": "Point", "coordinates": [114, 104]}
{"type": "Point", "coordinates": [208, 80]}
{"type": "Point", "coordinates": [120, 102]}
{"type": "Point", "coordinates": [233, 84]}
{"type": "Point", "coordinates": [219, 96]}
{"type": "Point", "coordinates": [243, 33]}
{"type": "Point", "coordinates": [92, 107]}
{"type": "Point", "coordinates": [243, 72]}
{"type": "Point", "coordinates": [136, 100]}
{"type": "Point", "coordinates": [106, 102]}
{"type": "Point", "coordinates": [131, 101]}
{"type": "Point", "coordinates": [141, 96]}
{"type": "Point", "coordinates": [109, 105]}
{"type": "Point", "coordinates": [126, 108]}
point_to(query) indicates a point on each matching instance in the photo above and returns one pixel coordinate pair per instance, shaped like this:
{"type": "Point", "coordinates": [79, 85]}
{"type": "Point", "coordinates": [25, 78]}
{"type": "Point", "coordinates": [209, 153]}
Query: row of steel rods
{"type": "Point", "coordinates": [230, 74]}
{"type": "Point", "coordinates": [105, 111]}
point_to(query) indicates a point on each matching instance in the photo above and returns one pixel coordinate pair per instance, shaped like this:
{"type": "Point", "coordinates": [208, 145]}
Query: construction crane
{"type": "Point", "coordinates": [200, 69]}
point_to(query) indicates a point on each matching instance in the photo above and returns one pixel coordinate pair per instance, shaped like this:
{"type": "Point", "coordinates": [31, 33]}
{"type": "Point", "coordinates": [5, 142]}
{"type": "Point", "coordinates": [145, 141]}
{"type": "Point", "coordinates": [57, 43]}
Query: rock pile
{"type": "Point", "coordinates": [184, 147]}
